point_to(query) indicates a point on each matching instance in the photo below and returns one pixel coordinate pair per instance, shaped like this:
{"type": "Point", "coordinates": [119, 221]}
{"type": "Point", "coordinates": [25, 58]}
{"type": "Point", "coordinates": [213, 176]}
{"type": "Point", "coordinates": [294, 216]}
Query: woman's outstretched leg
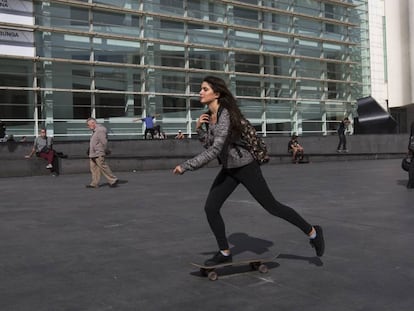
{"type": "Point", "coordinates": [251, 177]}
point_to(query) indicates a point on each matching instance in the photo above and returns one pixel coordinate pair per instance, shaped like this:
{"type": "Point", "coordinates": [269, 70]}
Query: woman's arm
{"type": "Point", "coordinates": [212, 152]}
{"type": "Point", "coordinates": [33, 151]}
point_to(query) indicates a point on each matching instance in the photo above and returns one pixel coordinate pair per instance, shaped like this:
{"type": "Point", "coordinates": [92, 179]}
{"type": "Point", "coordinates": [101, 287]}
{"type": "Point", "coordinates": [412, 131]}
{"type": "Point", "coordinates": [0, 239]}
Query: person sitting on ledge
{"type": "Point", "coordinates": [42, 147]}
{"type": "Point", "coordinates": [180, 135]}
{"type": "Point", "coordinates": [295, 149]}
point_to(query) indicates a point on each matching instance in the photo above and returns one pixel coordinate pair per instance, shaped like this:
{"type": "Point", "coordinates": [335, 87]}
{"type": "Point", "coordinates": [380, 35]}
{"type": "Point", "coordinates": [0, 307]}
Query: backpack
{"type": "Point", "coordinates": [253, 143]}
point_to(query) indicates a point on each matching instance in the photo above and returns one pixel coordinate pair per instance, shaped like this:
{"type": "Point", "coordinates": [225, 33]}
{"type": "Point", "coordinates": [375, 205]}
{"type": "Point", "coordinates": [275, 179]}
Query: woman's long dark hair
{"type": "Point", "coordinates": [228, 101]}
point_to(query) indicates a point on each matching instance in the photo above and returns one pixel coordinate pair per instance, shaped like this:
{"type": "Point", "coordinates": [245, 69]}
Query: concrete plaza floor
{"type": "Point", "coordinates": [65, 247]}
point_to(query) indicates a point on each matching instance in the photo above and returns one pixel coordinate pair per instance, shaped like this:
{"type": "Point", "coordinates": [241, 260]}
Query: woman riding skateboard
{"type": "Point", "coordinates": [223, 126]}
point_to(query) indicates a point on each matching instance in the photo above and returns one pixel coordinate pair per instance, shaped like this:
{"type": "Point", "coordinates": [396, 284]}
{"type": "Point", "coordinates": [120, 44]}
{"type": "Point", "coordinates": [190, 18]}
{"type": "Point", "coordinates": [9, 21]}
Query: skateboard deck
{"type": "Point", "coordinates": [256, 264]}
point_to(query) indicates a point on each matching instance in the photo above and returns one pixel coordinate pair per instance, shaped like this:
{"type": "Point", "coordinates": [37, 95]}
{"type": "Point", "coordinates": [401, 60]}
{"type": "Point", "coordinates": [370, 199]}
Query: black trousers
{"type": "Point", "coordinates": [149, 130]}
{"type": "Point", "coordinates": [251, 177]}
{"type": "Point", "coordinates": [342, 142]}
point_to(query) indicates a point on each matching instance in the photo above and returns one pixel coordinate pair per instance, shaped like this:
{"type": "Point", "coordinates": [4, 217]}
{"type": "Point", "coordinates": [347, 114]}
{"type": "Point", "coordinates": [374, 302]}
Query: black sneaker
{"type": "Point", "coordinates": [217, 259]}
{"type": "Point", "coordinates": [318, 243]}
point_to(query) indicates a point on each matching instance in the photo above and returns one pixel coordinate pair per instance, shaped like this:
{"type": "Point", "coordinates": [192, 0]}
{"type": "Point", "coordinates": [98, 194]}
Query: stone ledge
{"type": "Point", "coordinates": [79, 165]}
{"type": "Point", "coordinates": [165, 154]}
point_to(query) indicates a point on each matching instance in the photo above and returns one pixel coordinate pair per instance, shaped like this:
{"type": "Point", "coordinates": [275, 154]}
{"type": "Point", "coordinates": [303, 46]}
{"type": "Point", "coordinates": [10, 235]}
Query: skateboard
{"type": "Point", "coordinates": [257, 264]}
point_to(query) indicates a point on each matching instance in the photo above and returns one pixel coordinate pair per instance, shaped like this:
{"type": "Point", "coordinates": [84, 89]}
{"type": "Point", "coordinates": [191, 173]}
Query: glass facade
{"type": "Point", "coordinates": [294, 65]}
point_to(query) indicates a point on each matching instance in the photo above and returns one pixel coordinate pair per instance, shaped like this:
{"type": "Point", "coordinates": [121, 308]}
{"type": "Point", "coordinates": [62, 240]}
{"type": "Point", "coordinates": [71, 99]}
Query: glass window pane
{"type": "Point", "coordinates": [276, 21]}
{"type": "Point", "coordinates": [81, 105]}
{"type": "Point", "coordinates": [62, 16]}
{"type": "Point", "coordinates": [246, 17]}
{"type": "Point", "coordinates": [277, 44]}
{"type": "Point", "coordinates": [310, 89]}
{"type": "Point", "coordinates": [310, 110]}
{"type": "Point", "coordinates": [276, 109]}
{"type": "Point", "coordinates": [310, 69]}
{"type": "Point", "coordinates": [16, 104]}
{"type": "Point", "coordinates": [108, 78]}
{"type": "Point", "coordinates": [63, 46]}
{"type": "Point", "coordinates": [247, 63]}
{"type": "Point", "coordinates": [129, 4]}
{"type": "Point", "coordinates": [119, 23]}
{"type": "Point", "coordinates": [206, 10]}
{"type": "Point", "coordinates": [16, 73]}
{"type": "Point", "coordinates": [172, 7]}
{"type": "Point", "coordinates": [117, 51]}
{"type": "Point", "coordinates": [171, 82]}
{"type": "Point", "coordinates": [251, 108]}
{"type": "Point", "coordinates": [308, 48]}
{"type": "Point", "coordinates": [168, 30]}
{"type": "Point", "coordinates": [198, 33]}
{"type": "Point", "coordinates": [308, 7]}
{"type": "Point", "coordinates": [174, 106]}
{"type": "Point", "coordinates": [309, 27]}
{"type": "Point", "coordinates": [246, 40]}
{"type": "Point", "coordinates": [170, 56]}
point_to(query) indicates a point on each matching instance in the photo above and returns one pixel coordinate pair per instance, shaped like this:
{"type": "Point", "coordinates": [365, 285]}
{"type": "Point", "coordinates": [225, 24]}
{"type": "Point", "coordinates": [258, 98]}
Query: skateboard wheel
{"type": "Point", "coordinates": [212, 276]}
{"type": "Point", "coordinates": [263, 268]}
{"type": "Point", "coordinates": [203, 272]}
{"type": "Point", "coordinates": [254, 265]}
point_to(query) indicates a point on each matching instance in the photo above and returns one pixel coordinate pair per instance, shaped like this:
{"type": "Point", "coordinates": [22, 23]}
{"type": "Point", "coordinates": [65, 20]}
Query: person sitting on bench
{"type": "Point", "coordinates": [42, 148]}
{"type": "Point", "coordinates": [295, 149]}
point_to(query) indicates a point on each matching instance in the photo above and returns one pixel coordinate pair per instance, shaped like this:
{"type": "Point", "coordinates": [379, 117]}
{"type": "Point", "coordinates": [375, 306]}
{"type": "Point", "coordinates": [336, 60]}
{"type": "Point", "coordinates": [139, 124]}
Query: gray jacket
{"type": "Point", "coordinates": [41, 142]}
{"type": "Point", "coordinates": [98, 142]}
{"type": "Point", "coordinates": [214, 141]}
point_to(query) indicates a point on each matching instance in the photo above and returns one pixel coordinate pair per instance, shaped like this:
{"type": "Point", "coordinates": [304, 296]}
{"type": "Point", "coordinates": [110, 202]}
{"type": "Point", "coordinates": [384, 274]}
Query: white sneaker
{"type": "Point", "coordinates": [49, 166]}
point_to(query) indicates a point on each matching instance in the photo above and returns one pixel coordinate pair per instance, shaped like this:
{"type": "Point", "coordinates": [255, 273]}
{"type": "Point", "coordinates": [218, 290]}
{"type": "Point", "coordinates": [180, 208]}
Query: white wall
{"type": "Point", "coordinates": [376, 46]}
{"type": "Point", "coordinates": [411, 46]}
{"type": "Point", "coordinates": [399, 45]}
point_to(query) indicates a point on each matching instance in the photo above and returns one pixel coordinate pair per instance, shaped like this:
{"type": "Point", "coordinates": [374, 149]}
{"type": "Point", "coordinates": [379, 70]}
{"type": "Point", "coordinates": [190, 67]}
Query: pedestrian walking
{"type": "Point", "coordinates": [341, 133]}
{"type": "Point", "coordinates": [97, 152]}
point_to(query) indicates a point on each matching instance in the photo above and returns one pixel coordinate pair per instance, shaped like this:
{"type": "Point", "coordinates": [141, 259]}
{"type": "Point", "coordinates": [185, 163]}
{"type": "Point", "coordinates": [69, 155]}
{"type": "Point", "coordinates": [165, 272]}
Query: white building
{"type": "Point", "coordinates": [295, 66]}
{"type": "Point", "coordinates": [391, 33]}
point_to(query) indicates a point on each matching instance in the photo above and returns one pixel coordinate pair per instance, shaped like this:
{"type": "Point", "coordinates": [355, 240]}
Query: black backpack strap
{"type": "Point", "coordinates": [227, 142]}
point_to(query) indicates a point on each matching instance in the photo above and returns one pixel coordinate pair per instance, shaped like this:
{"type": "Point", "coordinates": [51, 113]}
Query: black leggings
{"type": "Point", "coordinates": [411, 174]}
{"type": "Point", "coordinates": [251, 177]}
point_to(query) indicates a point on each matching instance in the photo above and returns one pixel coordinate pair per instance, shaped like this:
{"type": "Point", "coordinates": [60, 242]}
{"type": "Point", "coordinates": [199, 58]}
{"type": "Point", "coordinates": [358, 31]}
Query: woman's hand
{"type": "Point", "coordinates": [178, 170]}
{"type": "Point", "coordinates": [204, 118]}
